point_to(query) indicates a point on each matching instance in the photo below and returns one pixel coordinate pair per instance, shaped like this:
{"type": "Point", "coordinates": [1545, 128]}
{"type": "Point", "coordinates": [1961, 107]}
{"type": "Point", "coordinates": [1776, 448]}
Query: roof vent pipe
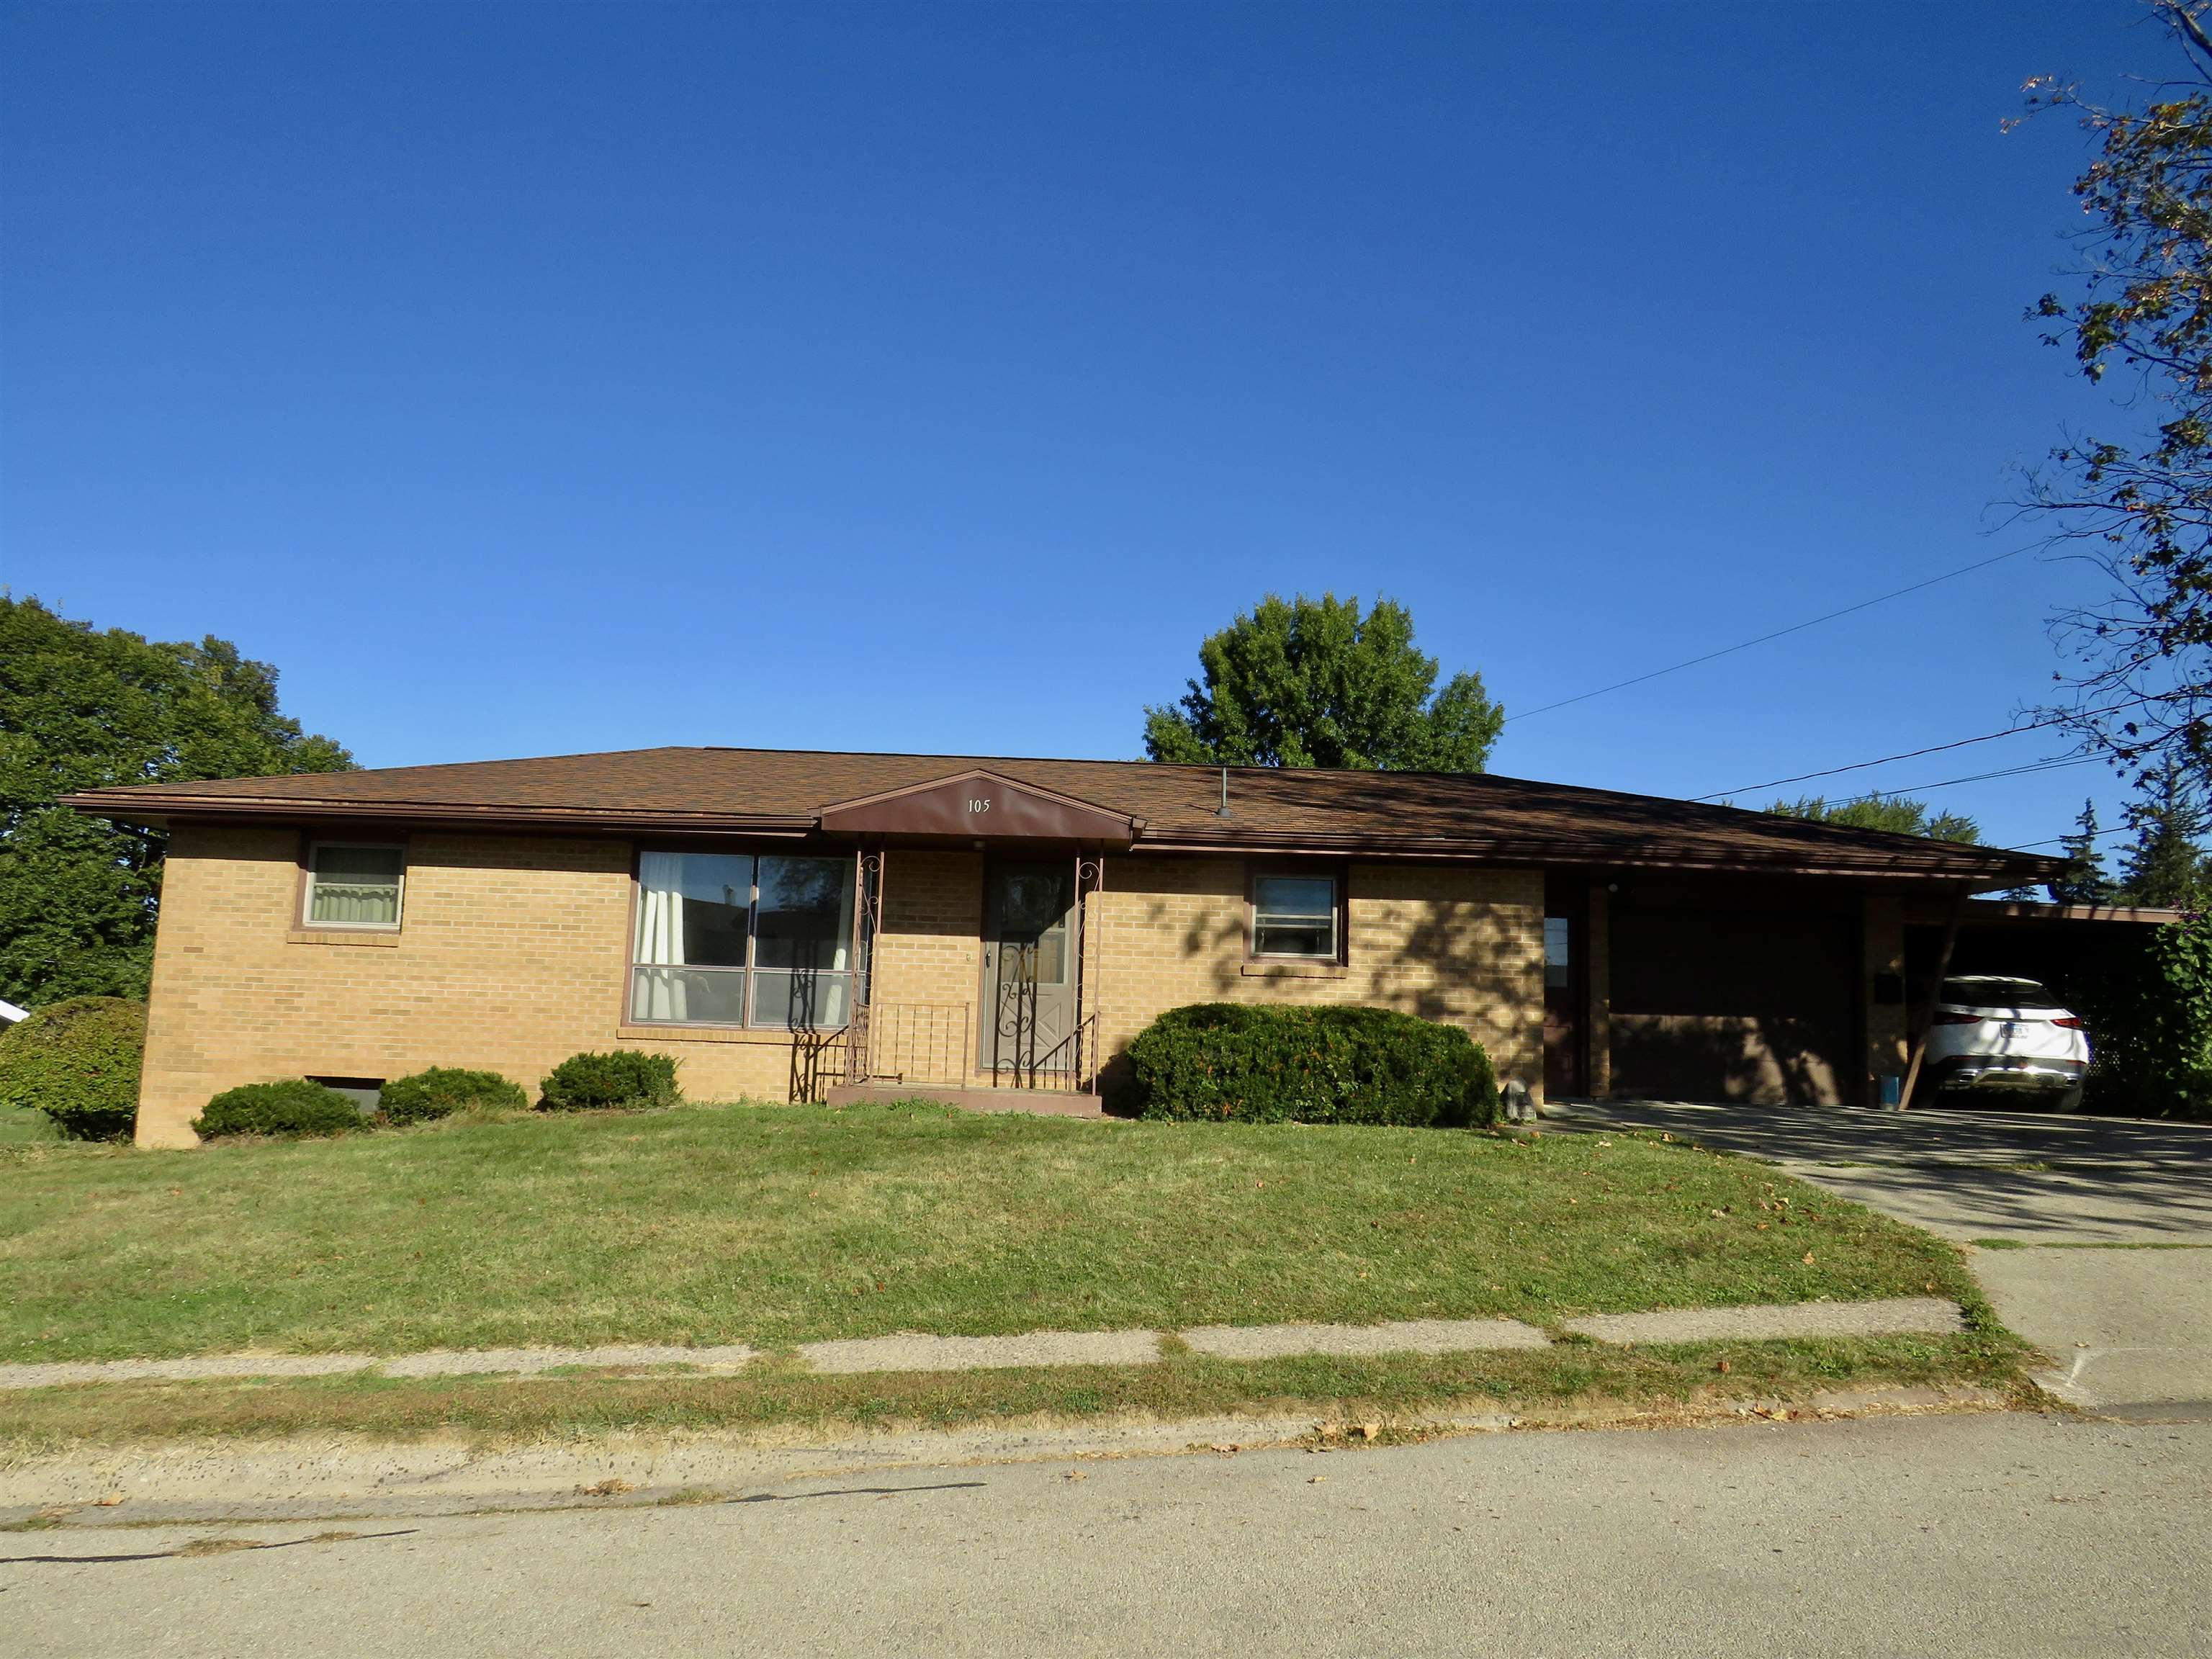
{"type": "Point", "coordinates": [1222, 811]}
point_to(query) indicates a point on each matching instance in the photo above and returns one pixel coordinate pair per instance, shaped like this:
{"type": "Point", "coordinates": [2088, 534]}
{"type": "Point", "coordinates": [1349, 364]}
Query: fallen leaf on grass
{"type": "Point", "coordinates": [609, 1487]}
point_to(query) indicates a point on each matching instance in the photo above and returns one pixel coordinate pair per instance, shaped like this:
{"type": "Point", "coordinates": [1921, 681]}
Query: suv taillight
{"type": "Point", "coordinates": [2069, 1021]}
{"type": "Point", "coordinates": [1953, 1016]}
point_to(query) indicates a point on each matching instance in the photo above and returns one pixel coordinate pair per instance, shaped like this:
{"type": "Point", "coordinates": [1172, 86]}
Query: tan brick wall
{"type": "Point", "coordinates": [1445, 942]}
{"type": "Point", "coordinates": [512, 957]}
{"type": "Point", "coordinates": [928, 964]}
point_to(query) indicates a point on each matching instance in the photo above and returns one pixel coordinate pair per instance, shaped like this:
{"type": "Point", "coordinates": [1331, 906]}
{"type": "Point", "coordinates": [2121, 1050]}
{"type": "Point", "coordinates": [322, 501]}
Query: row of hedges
{"type": "Point", "coordinates": [624, 1081]}
{"type": "Point", "coordinates": [78, 1062]}
{"type": "Point", "coordinates": [1227, 1061]}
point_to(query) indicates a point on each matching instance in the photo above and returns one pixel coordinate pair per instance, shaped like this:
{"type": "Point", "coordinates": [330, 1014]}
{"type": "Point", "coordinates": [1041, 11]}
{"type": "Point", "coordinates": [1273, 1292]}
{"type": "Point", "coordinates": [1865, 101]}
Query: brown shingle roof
{"type": "Point", "coordinates": [1453, 814]}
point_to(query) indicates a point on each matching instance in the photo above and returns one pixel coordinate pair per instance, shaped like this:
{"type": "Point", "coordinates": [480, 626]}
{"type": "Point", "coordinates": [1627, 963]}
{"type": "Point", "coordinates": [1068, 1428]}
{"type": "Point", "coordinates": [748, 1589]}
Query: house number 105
{"type": "Point", "coordinates": [983, 805]}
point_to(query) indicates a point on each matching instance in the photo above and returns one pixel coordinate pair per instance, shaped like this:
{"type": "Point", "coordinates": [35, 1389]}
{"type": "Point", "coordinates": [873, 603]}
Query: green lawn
{"type": "Point", "coordinates": [22, 1127]}
{"type": "Point", "coordinates": [779, 1224]}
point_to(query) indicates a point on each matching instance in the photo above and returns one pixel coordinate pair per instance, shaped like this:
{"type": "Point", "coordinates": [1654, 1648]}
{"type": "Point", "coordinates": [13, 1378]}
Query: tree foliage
{"type": "Point", "coordinates": [2141, 690]}
{"type": "Point", "coordinates": [80, 708]}
{"type": "Point", "coordinates": [2165, 863]}
{"type": "Point", "coordinates": [2086, 880]}
{"type": "Point", "coordinates": [1894, 813]}
{"type": "Point", "coordinates": [1313, 682]}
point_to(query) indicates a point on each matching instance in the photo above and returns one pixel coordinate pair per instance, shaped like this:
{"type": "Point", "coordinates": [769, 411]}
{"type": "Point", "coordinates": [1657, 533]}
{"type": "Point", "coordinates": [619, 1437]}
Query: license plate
{"type": "Point", "coordinates": [2014, 1030]}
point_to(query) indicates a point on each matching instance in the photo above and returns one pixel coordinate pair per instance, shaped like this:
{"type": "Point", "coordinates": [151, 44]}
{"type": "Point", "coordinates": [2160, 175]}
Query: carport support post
{"type": "Point", "coordinates": [1926, 1023]}
{"type": "Point", "coordinates": [1598, 993]}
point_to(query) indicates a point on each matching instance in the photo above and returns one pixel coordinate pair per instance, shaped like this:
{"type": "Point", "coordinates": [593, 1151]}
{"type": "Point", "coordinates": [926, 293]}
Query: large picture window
{"type": "Point", "coordinates": [736, 939]}
{"type": "Point", "coordinates": [1297, 917]}
{"type": "Point", "coordinates": [352, 885]}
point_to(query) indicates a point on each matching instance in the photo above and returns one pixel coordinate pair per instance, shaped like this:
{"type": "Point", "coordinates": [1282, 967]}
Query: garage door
{"type": "Point", "coordinates": [1737, 1004]}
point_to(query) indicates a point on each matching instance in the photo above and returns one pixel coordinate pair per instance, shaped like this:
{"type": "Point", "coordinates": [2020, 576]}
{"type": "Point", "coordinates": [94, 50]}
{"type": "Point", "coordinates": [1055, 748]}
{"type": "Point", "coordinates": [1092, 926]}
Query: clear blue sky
{"type": "Point", "coordinates": [529, 378]}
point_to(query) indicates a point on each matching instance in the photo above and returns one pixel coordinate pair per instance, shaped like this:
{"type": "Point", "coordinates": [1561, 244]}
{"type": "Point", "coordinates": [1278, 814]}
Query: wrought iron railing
{"type": "Point", "coordinates": [934, 1042]}
{"type": "Point", "coordinates": [910, 1042]}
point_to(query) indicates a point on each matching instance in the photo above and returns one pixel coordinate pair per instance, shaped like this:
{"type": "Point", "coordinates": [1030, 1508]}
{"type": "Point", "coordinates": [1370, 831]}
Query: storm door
{"type": "Point", "coordinates": [1026, 1033]}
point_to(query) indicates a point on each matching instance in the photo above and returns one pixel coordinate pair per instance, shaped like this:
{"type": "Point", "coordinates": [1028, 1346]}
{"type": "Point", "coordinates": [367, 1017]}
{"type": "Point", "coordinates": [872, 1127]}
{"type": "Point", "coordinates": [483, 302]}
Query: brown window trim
{"type": "Point", "coordinates": [305, 931]}
{"type": "Point", "coordinates": [1339, 871]}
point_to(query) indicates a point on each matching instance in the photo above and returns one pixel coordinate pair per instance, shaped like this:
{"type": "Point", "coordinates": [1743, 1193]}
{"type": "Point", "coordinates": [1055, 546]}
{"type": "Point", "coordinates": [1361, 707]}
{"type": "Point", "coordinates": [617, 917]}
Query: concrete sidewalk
{"type": "Point", "coordinates": [913, 1351]}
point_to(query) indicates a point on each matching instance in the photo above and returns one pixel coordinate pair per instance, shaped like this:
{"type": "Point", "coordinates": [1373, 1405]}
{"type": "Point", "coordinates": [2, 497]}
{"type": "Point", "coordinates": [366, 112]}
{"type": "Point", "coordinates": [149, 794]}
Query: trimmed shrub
{"type": "Point", "coordinates": [78, 1061]}
{"type": "Point", "coordinates": [444, 1089]}
{"type": "Point", "coordinates": [621, 1080]}
{"type": "Point", "coordinates": [295, 1107]}
{"type": "Point", "coordinates": [1216, 1061]}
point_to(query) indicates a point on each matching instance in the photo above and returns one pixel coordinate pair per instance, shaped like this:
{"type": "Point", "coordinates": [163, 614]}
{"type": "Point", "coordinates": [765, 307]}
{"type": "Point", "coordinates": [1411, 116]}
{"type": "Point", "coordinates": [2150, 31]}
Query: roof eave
{"type": "Point", "coordinates": [131, 806]}
{"type": "Point", "coordinates": [1996, 870]}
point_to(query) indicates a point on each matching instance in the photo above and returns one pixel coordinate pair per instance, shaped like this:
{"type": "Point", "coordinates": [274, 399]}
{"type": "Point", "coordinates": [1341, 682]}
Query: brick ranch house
{"type": "Point", "coordinates": [788, 923]}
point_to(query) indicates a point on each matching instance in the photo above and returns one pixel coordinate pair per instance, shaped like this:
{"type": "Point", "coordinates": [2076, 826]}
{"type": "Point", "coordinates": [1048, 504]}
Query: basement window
{"type": "Point", "coordinates": [365, 1092]}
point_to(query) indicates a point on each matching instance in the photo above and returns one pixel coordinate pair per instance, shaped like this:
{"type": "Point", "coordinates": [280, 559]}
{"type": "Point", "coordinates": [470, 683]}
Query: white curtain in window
{"type": "Point", "coordinates": [660, 935]}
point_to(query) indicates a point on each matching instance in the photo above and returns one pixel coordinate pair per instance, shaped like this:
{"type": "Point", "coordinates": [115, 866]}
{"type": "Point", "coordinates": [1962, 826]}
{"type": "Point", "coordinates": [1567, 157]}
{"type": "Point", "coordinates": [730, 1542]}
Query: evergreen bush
{"type": "Point", "coordinates": [294, 1107]}
{"type": "Point", "coordinates": [442, 1090]}
{"type": "Point", "coordinates": [1217, 1061]}
{"type": "Point", "coordinates": [622, 1079]}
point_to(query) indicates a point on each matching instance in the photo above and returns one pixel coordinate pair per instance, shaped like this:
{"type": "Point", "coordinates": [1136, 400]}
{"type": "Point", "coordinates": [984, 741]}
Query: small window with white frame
{"type": "Point", "coordinates": [1297, 918]}
{"type": "Point", "coordinates": [355, 885]}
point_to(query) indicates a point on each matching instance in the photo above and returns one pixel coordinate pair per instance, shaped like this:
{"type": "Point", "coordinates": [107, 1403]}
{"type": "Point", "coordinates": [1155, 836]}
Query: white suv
{"type": "Point", "coordinates": [1995, 1033]}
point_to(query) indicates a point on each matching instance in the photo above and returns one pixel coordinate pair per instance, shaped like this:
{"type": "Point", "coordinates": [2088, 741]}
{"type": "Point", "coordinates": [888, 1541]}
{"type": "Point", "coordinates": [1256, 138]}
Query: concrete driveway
{"type": "Point", "coordinates": [2093, 1235]}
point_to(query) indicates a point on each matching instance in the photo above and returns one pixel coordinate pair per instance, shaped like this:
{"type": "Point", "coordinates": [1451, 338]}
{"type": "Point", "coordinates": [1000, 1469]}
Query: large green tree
{"type": "Point", "coordinates": [1894, 813]}
{"type": "Point", "coordinates": [1314, 683]}
{"type": "Point", "coordinates": [80, 708]}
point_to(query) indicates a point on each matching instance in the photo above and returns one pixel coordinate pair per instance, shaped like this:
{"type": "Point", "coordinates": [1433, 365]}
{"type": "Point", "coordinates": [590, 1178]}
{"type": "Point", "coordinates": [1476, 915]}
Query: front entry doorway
{"type": "Point", "coordinates": [1026, 1035]}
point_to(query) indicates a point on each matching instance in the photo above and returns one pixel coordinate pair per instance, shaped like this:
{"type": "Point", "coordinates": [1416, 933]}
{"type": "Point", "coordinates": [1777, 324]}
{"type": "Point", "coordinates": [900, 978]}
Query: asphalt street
{"type": "Point", "coordinates": [1979, 1534]}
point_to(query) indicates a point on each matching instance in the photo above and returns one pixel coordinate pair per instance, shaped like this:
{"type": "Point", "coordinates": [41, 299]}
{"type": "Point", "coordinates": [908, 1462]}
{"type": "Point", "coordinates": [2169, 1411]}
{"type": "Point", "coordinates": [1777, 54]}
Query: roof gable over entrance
{"type": "Point", "coordinates": [981, 806]}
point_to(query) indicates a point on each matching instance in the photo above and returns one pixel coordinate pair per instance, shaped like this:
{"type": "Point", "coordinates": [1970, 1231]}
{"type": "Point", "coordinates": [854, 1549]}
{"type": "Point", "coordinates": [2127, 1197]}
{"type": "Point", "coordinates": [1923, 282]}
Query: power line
{"type": "Point", "coordinates": [2053, 840]}
{"type": "Point", "coordinates": [1861, 766]}
{"type": "Point", "coordinates": [1745, 645]}
{"type": "Point", "coordinates": [1914, 754]}
{"type": "Point", "coordinates": [1979, 777]}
